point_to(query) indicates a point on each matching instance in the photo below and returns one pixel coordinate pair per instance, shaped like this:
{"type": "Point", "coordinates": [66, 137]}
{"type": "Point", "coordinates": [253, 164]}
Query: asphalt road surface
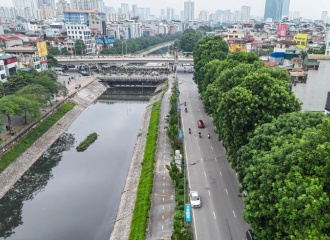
{"type": "Point", "coordinates": [209, 173]}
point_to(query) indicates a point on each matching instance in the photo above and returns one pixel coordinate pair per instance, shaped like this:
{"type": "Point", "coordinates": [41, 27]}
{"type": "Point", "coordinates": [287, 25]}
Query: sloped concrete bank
{"type": "Point", "coordinates": [14, 171]}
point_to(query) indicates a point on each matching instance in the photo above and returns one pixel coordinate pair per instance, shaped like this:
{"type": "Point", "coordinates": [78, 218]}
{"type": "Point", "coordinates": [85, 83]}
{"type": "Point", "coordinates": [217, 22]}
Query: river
{"type": "Point", "coordinates": [68, 195]}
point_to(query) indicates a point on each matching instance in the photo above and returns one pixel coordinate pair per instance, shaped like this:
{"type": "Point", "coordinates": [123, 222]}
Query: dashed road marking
{"type": "Point", "coordinates": [214, 215]}
{"type": "Point", "coordinates": [162, 216]}
{"type": "Point", "coordinates": [216, 159]}
{"type": "Point", "coordinates": [234, 214]}
{"type": "Point", "coordinates": [162, 227]}
{"type": "Point", "coordinates": [211, 147]}
{"type": "Point", "coordinates": [205, 174]}
{"type": "Point", "coordinates": [163, 199]}
{"type": "Point", "coordinates": [202, 159]}
{"type": "Point", "coordinates": [226, 190]}
{"type": "Point", "coordinates": [209, 192]}
{"type": "Point", "coordinates": [220, 174]}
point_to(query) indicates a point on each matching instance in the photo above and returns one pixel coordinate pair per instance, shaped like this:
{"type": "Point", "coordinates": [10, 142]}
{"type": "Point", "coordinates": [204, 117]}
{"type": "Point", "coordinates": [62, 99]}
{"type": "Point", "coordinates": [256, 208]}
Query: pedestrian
{"type": "Point", "coordinates": [68, 82]}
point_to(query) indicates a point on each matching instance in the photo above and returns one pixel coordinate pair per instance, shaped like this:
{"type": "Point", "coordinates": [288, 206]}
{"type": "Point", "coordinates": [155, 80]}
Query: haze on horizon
{"type": "Point", "coordinates": [308, 8]}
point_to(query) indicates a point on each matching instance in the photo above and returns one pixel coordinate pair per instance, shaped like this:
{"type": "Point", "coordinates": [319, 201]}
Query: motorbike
{"type": "Point", "coordinates": [200, 135]}
{"type": "Point", "coordinates": [208, 136]}
{"type": "Point", "coordinates": [189, 131]}
{"type": "Point", "coordinates": [185, 103]}
{"type": "Point", "coordinates": [186, 110]}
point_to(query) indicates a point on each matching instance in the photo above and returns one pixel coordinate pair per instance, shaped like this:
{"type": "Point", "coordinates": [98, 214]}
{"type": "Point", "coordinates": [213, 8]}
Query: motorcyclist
{"type": "Point", "coordinates": [185, 103]}
{"type": "Point", "coordinates": [200, 135]}
{"type": "Point", "coordinates": [186, 110]}
{"type": "Point", "coordinates": [189, 130]}
{"type": "Point", "coordinates": [208, 135]}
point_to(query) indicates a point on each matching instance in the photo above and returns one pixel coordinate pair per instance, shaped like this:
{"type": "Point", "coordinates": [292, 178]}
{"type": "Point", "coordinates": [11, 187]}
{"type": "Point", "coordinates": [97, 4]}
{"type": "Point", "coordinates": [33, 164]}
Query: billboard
{"type": "Point", "coordinates": [42, 49]}
{"type": "Point", "coordinates": [281, 30]}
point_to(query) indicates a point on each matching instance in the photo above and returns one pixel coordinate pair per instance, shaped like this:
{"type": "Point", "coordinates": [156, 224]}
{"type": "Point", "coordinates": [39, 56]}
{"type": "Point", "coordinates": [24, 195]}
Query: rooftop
{"type": "Point", "coordinates": [81, 11]}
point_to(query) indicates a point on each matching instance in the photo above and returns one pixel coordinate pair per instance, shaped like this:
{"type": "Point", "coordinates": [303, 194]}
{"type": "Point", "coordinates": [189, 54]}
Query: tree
{"type": "Point", "coordinates": [54, 51]}
{"type": "Point", "coordinates": [287, 178]}
{"type": "Point", "coordinates": [28, 106]}
{"type": "Point", "coordinates": [79, 47]}
{"type": "Point", "coordinates": [188, 40]}
{"type": "Point", "coordinates": [64, 51]}
{"type": "Point", "coordinates": [207, 49]}
{"type": "Point", "coordinates": [17, 81]}
{"type": "Point", "coordinates": [52, 61]}
{"type": "Point", "coordinates": [9, 108]}
{"type": "Point", "coordinates": [35, 92]}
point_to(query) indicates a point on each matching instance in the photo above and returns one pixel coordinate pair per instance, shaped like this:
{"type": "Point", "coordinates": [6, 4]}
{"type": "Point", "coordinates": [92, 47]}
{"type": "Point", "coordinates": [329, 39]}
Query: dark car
{"type": "Point", "coordinates": [200, 124]}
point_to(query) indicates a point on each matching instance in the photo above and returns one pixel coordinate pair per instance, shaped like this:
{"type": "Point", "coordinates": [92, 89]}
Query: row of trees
{"type": "Point", "coordinates": [24, 93]}
{"type": "Point", "coordinates": [281, 155]}
{"type": "Point", "coordinates": [137, 44]}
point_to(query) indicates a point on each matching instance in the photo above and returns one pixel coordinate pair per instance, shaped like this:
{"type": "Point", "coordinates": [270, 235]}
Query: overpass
{"type": "Point", "coordinates": [104, 59]}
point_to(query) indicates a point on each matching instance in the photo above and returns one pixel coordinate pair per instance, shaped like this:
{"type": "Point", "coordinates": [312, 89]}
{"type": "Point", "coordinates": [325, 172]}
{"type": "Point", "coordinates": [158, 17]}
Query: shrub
{"type": "Point", "coordinates": [87, 142]}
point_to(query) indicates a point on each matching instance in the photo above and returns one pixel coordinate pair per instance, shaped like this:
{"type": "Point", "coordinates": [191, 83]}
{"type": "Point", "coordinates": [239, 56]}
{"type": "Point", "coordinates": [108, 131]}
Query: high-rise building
{"type": "Point", "coordinates": [170, 13]}
{"type": "Point", "coordinates": [134, 10]}
{"type": "Point", "coordinates": [189, 10]}
{"type": "Point", "coordinates": [148, 13]}
{"type": "Point", "coordinates": [85, 4]}
{"type": "Point", "coordinates": [203, 16]}
{"type": "Point", "coordinates": [324, 16]}
{"type": "Point", "coordinates": [62, 6]}
{"type": "Point", "coordinates": [245, 13]}
{"type": "Point", "coordinates": [25, 8]}
{"type": "Point", "coordinates": [124, 8]}
{"type": "Point", "coordinates": [46, 11]}
{"type": "Point", "coordinates": [294, 15]}
{"type": "Point", "coordinates": [40, 2]}
{"type": "Point", "coordinates": [276, 9]}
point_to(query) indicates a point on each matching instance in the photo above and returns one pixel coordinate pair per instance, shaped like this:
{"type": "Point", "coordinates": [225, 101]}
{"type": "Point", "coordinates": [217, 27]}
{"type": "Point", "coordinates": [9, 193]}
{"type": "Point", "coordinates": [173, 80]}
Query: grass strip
{"type": "Point", "coordinates": [143, 202]}
{"type": "Point", "coordinates": [87, 142]}
{"type": "Point", "coordinates": [27, 141]}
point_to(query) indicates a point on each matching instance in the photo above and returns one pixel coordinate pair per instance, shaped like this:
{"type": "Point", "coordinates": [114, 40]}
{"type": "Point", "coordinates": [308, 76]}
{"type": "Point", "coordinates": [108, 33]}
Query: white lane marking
{"type": "Point", "coordinates": [162, 216]}
{"type": "Point", "coordinates": [163, 207]}
{"type": "Point", "coordinates": [163, 199]}
{"type": "Point", "coordinates": [226, 190]}
{"type": "Point", "coordinates": [162, 227]}
{"type": "Point", "coordinates": [199, 148]}
{"type": "Point", "coordinates": [209, 192]}
{"type": "Point", "coordinates": [204, 174]}
{"type": "Point", "coordinates": [163, 184]}
{"type": "Point", "coordinates": [214, 215]}
{"type": "Point", "coordinates": [211, 147]}
{"type": "Point", "coordinates": [163, 190]}
{"type": "Point", "coordinates": [234, 214]}
{"type": "Point", "coordinates": [216, 159]}
{"type": "Point", "coordinates": [220, 174]}
{"type": "Point", "coordinates": [202, 159]}
{"type": "Point", "coordinates": [164, 178]}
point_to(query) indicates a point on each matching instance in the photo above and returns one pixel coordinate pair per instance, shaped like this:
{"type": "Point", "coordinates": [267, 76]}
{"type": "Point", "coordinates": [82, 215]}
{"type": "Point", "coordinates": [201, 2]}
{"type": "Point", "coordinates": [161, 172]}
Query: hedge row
{"type": "Point", "coordinates": [88, 141]}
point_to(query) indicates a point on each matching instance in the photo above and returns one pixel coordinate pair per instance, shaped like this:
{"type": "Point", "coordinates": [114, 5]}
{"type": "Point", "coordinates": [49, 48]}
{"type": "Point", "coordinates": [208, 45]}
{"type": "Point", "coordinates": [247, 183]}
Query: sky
{"type": "Point", "coordinates": [308, 8]}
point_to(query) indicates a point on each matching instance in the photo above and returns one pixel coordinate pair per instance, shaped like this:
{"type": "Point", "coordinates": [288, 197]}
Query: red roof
{"type": "Point", "coordinates": [295, 59]}
{"type": "Point", "coordinates": [270, 64]}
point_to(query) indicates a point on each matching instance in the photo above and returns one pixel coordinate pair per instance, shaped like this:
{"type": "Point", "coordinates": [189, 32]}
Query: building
{"type": "Point", "coordinates": [85, 4]}
{"type": "Point", "coordinates": [189, 11]}
{"type": "Point", "coordinates": [134, 10]}
{"type": "Point", "coordinates": [324, 16]}
{"type": "Point", "coordinates": [327, 40]}
{"type": "Point", "coordinates": [80, 16]}
{"type": "Point", "coordinates": [7, 12]}
{"type": "Point", "coordinates": [8, 40]}
{"type": "Point", "coordinates": [3, 75]}
{"type": "Point", "coordinates": [46, 11]}
{"type": "Point", "coordinates": [39, 3]}
{"type": "Point", "coordinates": [276, 9]}
{"type": "Point", "coordinates": [294, 15]}
{"type": "Point", "coordinates": [170, 13]}
{"type": "Point", "coordinates": [245, 13]}
{"type": "Point", "coordinates": [62, 6]}
{"type": "Point", "coordinates": [82, 32]}
{"type": "Point", "coordinates": [203, 16]}
{"type": "Point", "coordinates": [25, 8]}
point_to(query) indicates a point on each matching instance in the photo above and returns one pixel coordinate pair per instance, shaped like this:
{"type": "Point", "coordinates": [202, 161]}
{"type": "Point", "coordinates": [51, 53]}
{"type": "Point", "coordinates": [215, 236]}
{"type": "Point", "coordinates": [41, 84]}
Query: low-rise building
{"type": "Point", "coordinates": [3, 75]}
{"type": "Point", "coordinates": [8, 40]}
{"type": "Point", "coordinates": [82, 32]}
{"type": "Point", "coordinates": [10, 66]}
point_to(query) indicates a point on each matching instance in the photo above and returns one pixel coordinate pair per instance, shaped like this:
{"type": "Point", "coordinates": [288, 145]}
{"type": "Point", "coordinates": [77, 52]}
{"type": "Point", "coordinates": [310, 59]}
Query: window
{"type": "Point", "coordinates": [1, 67]}
{"type": "Point", "coordinates": [79, 32]}
{"type": "Point", "coordinates": [3, 76]}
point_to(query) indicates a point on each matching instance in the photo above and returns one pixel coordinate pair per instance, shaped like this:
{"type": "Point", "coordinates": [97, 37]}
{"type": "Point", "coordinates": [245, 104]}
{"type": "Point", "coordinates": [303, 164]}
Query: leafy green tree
{"type": "Point", "coordinates": [188, 40]}
{"type": "Point", "coordinates": [54, 51]}
{"type": "Point", "coordinates": [287, 178]}
{"type": "Point", "coordinates": [9, 108]}
{"type": "Point", "coordinates": [28, 106]}
{"type": "Point", "coordinates": [35, 92]}
{"type": "Point", "coordinates": [52, 61]}
{"type": "Point", "coordinates": [17, 81]}
{"type": "Point", "coordinates": [207, 49]}
{"type": "Point", "coordinates": [79, 47]}
{"type": "Point", "coordinates": [64, 51]}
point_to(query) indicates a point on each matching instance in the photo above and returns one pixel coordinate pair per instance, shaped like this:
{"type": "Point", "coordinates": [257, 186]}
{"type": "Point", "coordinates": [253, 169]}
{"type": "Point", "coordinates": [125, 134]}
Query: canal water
{"type": "Point", "coordinates": [69, 195]}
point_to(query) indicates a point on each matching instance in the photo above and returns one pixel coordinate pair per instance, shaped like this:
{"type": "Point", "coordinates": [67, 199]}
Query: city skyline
{"type": "Point", "coordinates": [257, 6]}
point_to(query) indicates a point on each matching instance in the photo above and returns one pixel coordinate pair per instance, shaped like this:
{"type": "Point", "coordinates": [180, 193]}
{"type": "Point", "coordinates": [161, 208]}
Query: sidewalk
{"type": "Point", "coordinates": [18, 122]}
{"type": "Point", "coordinates": [163, 200]}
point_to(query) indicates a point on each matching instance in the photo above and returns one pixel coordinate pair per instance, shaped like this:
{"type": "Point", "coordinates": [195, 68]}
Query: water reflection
{"type": "Point", "coordinates": [30, 184]}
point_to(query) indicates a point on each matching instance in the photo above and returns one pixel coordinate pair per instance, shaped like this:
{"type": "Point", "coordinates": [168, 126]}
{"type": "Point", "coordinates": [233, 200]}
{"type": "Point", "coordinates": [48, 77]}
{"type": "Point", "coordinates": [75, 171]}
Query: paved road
{"type": "Point", "coordinates": [163, 200]}
{"type": "Point", "coordinates": [221, 214]}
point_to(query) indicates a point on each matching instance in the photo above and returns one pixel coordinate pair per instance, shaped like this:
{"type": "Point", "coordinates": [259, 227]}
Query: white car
{"type": "Point", "coordinates": [195, 199]}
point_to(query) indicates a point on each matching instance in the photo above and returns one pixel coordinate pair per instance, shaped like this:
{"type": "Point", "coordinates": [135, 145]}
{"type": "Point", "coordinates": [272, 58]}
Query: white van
{"type": "Point", "coordinates": [58, 71]}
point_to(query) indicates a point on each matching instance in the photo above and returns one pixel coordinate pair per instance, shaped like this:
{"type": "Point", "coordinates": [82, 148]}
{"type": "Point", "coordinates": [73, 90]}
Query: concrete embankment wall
{"type": "Point", "coordinates": [14, 171]}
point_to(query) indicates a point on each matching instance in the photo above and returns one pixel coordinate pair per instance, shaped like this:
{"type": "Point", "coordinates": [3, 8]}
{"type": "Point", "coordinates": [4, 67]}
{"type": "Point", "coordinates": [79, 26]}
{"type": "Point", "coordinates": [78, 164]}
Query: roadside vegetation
{"type": "Point", "coordinates": [87, 142]}
{"type": "Point", "coordinates": [137, 44]}
{"type": "Point", "coordinates": [181, 229]}
{"type": "Point", "coordinates": [281, 154]}
{"type": "Point", "coordinates": [26, 142]}
{"type": "Point", "coordinates": [143, 202]}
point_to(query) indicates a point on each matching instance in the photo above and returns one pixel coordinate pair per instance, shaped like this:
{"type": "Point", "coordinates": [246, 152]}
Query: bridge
{"type": "Point", "coordinates": [145, 81]}
{"type": "Point", "coordinates": [105, 59]}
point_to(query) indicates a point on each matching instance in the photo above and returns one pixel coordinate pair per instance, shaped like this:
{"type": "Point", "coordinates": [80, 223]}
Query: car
{"type": "Point", "coordinates": [195, 199]}
{"type": "Point", "coordinates": [84, 73]}
{"type": "Point", "coordinates": [77, 86]}
{"type": "Point", "coordinates": [64, 74]}
{"type": "Point", "coordinates": [200, 124]}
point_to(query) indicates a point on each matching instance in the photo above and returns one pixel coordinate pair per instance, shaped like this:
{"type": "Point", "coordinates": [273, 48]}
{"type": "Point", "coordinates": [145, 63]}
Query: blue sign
{"type": "Point", "coordinates": [187, 213]}
{"type": "Point", "coordinates": [180, 134]}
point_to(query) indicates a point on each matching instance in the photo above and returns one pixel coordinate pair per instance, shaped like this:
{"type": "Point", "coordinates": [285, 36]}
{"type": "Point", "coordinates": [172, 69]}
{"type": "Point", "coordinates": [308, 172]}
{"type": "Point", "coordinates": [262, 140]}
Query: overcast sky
{"type": "Point", "coordinates": [308, 8]}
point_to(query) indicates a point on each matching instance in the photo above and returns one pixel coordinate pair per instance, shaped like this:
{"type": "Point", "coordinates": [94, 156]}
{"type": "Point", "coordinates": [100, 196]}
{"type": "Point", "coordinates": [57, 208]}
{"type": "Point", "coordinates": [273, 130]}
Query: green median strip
{"type": "Point", "coordinates": [87, 142]}
{"type": "Point", "coordinates": [143, 202]}
{"type": "Point", "coordinates": [33, 136]}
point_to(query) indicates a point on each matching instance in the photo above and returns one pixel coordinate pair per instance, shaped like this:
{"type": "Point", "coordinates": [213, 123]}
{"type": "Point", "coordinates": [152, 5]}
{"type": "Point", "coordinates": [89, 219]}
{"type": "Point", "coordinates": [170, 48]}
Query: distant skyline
{"type": "Point", "coordinates": [308, 8]}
